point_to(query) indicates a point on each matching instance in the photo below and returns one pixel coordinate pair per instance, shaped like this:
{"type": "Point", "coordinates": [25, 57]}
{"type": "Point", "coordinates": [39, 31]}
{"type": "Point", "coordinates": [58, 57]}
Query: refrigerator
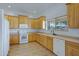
{"type": "Point", "coordinates": [4, 35]}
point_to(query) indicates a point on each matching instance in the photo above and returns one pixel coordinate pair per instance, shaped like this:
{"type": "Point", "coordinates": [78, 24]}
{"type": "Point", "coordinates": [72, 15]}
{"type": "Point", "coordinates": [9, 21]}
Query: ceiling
{"type": "Point", "coordinates": [29, 9]}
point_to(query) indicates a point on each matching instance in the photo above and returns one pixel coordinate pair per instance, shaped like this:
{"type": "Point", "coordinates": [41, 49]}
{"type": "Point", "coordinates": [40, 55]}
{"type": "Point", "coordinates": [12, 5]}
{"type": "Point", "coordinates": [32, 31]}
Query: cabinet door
{"type": "Point", "coordinates": [32, 37]}
{"type": "Point", "coordinates": [75, 52]}
{"type": "Point", "coordinates": [73, 12]}
{"type": "Point", "coordinates": [72, 49]}
{"type": "Point", "coordinates": [77, 15]}
{"type": "Point", "coordinates": [39, 24]}
{"type": "Point", "coordinates": [45, 41]}
{"type": "Point", "coordinates": [23, 19]}
{"type": "Point", "coordinates": [50, 43]}
{"type": "Point", "coordinates": [70, 13]}
{"type": "Point", "coordinates": [41, 39]}
{"type": "Point", "coordinates": [31, 24]}
{"type": "Point", "coordinates": [36, 23]}
{"type": "Point", "coordinates": [15, 22]}
{"type": "Point", "coordinates": [38, 38]}
{"type": "Point", "coordinates": [14, 39]}
{"type": "Point", "coordinates": [11, 21]}
{"type": "Point", "coordinates": [11, 39]}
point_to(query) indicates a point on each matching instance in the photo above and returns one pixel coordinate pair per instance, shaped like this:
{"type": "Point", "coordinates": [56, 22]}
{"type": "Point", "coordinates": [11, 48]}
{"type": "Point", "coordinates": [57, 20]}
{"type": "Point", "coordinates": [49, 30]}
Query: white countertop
{"type": "Point", "coordinates": [68, 38]}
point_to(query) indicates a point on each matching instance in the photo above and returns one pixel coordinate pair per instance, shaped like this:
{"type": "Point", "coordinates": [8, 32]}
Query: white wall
{"type": "Point", "coordinates": [70, 32]}
{"type": "Point", "coordinates": [56, 11]}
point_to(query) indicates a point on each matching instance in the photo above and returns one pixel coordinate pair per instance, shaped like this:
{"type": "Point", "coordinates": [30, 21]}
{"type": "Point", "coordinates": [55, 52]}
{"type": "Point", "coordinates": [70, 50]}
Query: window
{"type": "Point", "coordinates": [61, 23]}
{"type": "Point", "coordinates": [50, 25]}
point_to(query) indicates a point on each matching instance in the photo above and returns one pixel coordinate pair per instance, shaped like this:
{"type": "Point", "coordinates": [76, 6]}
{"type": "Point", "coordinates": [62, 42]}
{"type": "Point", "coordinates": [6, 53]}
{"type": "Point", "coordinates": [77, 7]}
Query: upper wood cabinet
{"type": "Point", "coordinates": [72, 49]}
{"type": "Point", "coordinates": [23, 19]}
{"type": "Point", "coordinates": [13, 21]}
{"type": "Point", "coordinates": [33, 24]}
{"type": "Point", "coordinates": [37, 23]}
{"type": "Point", "coordinates": [73, 15]}
{"type": "Point", "coordinates": [41, 19]}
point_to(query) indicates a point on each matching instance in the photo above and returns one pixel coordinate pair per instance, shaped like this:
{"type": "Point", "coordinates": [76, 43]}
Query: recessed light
{"type": "Point", "coordinates": [9, 6]}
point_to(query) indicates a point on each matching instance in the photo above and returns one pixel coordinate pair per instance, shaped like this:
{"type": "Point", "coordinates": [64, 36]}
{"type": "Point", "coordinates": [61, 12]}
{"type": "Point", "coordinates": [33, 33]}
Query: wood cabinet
{"type": "Point", "coordinates": [45, 41]}
{"type": "Point", "coordinates": [37, 23]}
{"type": "Point", "coordinates": [37, 37]}
{"type": "Point", "coordinates": [72, 49]}
{"type": "Point", "coordinates": [14, 39]}
{"type": "Point", "coordinates": [33, 24]}
{"type": "Point", "coordinates": [50, 43]}
{"type": "Point", "coordinates": [23, 19]}
{"type": "Point", "coordinates": [32, 37]}
{"type": "Point", "coordinates": [13, 21]}
{"type": "Point", "coordinates": [41, 19]}
{"type": "Point", "coordinates": [73, 15]}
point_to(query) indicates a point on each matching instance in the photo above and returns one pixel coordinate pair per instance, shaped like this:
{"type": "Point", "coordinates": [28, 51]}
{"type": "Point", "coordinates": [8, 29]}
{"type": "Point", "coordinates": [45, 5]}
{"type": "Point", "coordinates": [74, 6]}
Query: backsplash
{"type": "Point", "coordinates": [15, 31]}
{"type": "Point", "coordinates": [70, 32]}
{"type": "Point", "coordinates": [45, 31]}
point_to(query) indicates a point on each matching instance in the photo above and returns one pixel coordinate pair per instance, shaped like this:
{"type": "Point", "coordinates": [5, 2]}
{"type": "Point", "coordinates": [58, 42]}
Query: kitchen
{"type": "Point", "coordinates": [54, 27]}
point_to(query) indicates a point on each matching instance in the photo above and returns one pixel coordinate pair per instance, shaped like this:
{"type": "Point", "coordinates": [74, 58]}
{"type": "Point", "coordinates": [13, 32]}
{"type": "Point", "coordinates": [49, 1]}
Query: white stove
{"type": "Point", "coordinates": [23, 33]}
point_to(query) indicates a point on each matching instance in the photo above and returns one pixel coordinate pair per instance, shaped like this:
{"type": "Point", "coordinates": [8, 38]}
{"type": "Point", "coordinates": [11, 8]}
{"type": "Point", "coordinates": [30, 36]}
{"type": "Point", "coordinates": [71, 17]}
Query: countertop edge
{"type": "Point", "coordinates": [76, 40]}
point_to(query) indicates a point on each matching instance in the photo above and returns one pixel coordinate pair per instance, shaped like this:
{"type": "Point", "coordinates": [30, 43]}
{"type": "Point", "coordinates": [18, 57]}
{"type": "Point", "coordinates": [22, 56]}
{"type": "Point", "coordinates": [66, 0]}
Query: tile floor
{"type": "Point", "coordinates": [30, 49]}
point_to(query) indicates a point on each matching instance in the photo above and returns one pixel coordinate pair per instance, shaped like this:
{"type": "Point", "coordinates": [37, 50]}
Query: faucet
{"type": "Point", "coordinates": [53, 32]}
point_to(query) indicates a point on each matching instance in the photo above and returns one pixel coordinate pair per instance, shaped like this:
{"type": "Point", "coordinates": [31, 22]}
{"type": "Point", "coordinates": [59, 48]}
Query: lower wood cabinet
{"type": "Point", "coordinates": [45, 41]}
{"type": "Point", "coordinates": [37, 37]}
{"type": "Point", "coordinates": [72, 49]}
{"type": "Point", "coordinates": [32, 37]}
{"type": "Point", "coordinates": [14, 39]}
{"type": "Point", "coordinates": [50, 43]}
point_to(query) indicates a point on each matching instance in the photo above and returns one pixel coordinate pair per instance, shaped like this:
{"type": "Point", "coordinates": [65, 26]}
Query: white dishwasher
{"type": "Point", "coordinates": [59, 46]}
